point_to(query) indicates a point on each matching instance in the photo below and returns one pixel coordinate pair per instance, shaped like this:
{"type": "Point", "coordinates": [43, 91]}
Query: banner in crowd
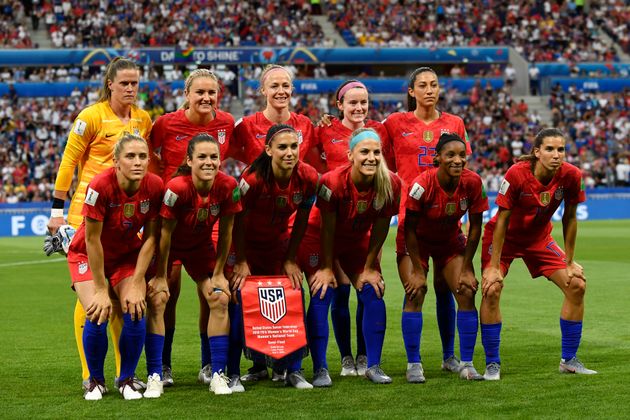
{"type": "Point", "coordinates": [30, 219]}
{"type": "Point", "coordinates": [254, 55]}
{"type": "Point", "coordinates": [563, 69]}
{"type": "Point", "coordinates": [592, 84]}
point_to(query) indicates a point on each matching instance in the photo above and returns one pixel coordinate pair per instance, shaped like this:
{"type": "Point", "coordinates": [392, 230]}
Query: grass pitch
{"type": "Point", "coordinates": [40, 373]}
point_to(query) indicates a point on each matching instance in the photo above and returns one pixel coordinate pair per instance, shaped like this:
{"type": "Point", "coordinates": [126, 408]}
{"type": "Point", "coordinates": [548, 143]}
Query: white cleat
{"type": "Point", "coordinates": [574, 366]}
{"type": "Point", "coordinates": [361, 365]}
{"type": "Point", "coordinates": [235, 384]}
{"type": "Point", "coordinates": [205, 375]}
{"type": "Point", "coordinates": [452, 364]}
{"type": "Point", "coordinates": [469, 373]}
{"type": "Point", "coordinates": [155, 387]}
{"type": "Point", "coordinates": [129, 390]}
{"type": "Point", "coordinates": [219, 384]}
{"type": "Point", "coordinates": [94, 390]}
{"type": "Point", "coordinates": [493, 372]}
{"type": "Point", "coordinates": [348, 367]}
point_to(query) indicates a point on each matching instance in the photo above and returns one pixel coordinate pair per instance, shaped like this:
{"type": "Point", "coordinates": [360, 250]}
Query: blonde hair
{"type": "Point", "coordinates": [114, 66]}
{"type": "Point", "coordinates": [196, 74]}
{"type": "Point", "coordinates": [268, 69]}
{"type": "Point", "coordinates": [382, 180]}
{"type": "Point", "coordinates": [126, 137]}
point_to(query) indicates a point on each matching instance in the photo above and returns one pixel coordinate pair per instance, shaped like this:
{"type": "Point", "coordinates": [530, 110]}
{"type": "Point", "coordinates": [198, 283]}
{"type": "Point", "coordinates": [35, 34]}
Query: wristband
{"type": "Point", "coordinates": [57, 203]}
{"type": "Point", "coordinates": [56, 212]}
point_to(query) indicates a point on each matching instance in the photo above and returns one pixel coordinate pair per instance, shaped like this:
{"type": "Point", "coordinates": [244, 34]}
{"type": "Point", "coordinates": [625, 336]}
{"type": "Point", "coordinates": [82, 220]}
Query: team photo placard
{"type": "Point", "coordinates": [273, 316]}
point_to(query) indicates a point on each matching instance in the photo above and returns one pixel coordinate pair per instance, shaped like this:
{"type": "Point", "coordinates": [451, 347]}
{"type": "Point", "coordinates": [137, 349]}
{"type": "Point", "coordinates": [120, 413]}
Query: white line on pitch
{"type": "Point", "coordinates": [13, 264]}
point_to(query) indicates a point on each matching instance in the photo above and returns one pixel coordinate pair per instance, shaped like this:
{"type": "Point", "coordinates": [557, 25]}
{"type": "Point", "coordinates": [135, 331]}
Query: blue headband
{"type": "Point", "coordinates": [364, 135]}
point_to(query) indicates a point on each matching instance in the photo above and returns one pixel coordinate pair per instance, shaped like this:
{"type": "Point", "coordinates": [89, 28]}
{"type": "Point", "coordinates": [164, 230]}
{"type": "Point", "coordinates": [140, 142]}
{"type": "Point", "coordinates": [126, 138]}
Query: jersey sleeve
{"type": "Point", "coordinates": [232, 200]}
{"type": "Point", "coordinates": [508, 190]}
{"type": "Point", "coordinates": [239, 134]}
{"type": "Point", "coordinates": [415, 196]}
{"type": "Point", "coordinates": [173, 198]}
{"type": "Point", "coordinates": [576, 194]}
{"type": "Point", "coordinates": [393, 208]}
{"type": "Point", "coordinates": [250, 187]}
{"type": "Point", "coordinates": [329, 194]}
{"type": "Point", "coordinates": [157, 187]}
{"type": "Point", "coordinates": [312, 181]}
{"type": "Point", "coordinates": [156, 139]}
{"type": "Point", "coordinates": [95, 204]}
{"type": "Point", "coordinates": [81, 135]}
{"type": "Point", "coordinates": [479, 198]}
{"type": "Point", "coordinates": [387, 143]}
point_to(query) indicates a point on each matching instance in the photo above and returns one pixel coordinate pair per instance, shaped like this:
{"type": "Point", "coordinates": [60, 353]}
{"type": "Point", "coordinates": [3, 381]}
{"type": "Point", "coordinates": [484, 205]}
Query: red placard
{"type": "Point", "coordinates": [273, 316]}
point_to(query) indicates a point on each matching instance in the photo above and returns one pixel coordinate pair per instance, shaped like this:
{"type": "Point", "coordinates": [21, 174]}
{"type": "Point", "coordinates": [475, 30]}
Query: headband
{"type": "Point", "coordinates": [349, 86]}
{"type": "Point", "coordinates": [447, 138]}
{"type": "Point", "coordinates": [364, 135]}
{"type": "Point", "coordinates": [262, 80]}
{"type": "Point", "coordinates": [282, 130]}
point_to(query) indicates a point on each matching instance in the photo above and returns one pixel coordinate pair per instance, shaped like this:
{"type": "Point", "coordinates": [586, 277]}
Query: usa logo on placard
{"type": "Point", "coordinates": [273, 305]}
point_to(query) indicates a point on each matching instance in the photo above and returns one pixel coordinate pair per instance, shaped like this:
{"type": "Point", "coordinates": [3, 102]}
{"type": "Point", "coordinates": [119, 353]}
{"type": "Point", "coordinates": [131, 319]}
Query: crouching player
{"type": "Point", "coordinates": [528, 197]}
{"type": "Point", "coordinates": [195, 199]}
{"type": "Point", "coordinates": [108, 258]}
{"type": "Point", "coordinates": [355, 204]}
{"type": "Point", "coordinates": [438, 198]}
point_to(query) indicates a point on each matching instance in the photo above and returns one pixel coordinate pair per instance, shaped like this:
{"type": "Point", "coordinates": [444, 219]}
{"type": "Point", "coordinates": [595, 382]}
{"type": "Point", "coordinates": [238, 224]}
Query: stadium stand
{"type": "Point", "coordinates": [13, 31]}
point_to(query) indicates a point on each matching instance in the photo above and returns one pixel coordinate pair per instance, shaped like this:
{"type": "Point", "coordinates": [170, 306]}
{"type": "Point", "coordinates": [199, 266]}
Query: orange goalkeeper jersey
{"type": "Point", "coordinates": [90, 146]}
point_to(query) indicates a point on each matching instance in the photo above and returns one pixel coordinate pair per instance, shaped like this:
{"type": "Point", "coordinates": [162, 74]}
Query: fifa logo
{"type": "Point", "coordinates": [273, 305]}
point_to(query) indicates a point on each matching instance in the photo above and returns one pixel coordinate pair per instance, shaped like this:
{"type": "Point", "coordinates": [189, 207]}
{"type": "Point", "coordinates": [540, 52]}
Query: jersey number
{"type": "Point", "coordinates": [425, 151]}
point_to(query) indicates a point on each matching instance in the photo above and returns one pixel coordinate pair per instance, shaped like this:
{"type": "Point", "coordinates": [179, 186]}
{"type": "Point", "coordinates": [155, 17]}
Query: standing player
{"type": "Point", "coordinates": [413, 137]}
{"type": "Point", "coordinates": [90, 148]}
{"type": "Point", "coordinates": [107, 256]}
{"type": "Point", "coordinates": [169, 138]}
{"type": "Point", "coordinates": [528, 197]}
{"type": "Point", "coordinates": [275, 187]}
{"type": "Point", "coordinates": [355, 203]}
{"type": "Point", "coordinates": [438, 199]}
{"type": "Point", "coordinates": [353, 104]}
{"type": "Point", "coordinates": [195, 199]}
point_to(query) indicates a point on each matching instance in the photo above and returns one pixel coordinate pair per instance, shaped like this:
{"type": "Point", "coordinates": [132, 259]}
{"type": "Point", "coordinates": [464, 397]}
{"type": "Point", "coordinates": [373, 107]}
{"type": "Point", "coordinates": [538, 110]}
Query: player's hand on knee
{"type": "Point", "coordinates": [292, 270]}
{"type": "Point", "coordinates": [134, 303]}
{"type": "Point", "coordinates": [239, 274]}
{"type": "Point", "coordinates": [101, 307]}
{"type": "Point", "coordinates": [575, 270]}
{"type": "Point", "coordinates": [374, 278]}
{"type": "Point", "coordinates": [467, 280]}
{"type": "Point", "coordinates": [322, 280]}
{"type": "Point", "coordinates": [156, 286]}
{"type": "Point", "coordinates": [219, 284]}
{"type": "Point", "coordinates": [416, 284]}
{"type": "Point", "coordinates": [491, 278]}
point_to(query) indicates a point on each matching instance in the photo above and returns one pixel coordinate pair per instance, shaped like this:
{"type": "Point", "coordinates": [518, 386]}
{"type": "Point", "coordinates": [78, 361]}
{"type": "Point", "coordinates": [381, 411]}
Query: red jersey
{"type": "Point", "coordinates": [356, 211]}
{"type": "Point", "coordinates": [196, 214]}
{"type": "Point", "coordinates": [532, 203]}
{"type": "Point", "coordinates": [172, 132]}
{"type": "Point", "coordinates": [412, 142]}
{"type": "Point", "coordinates": [440, 213]}
{"type": "Point", "coordinates": [270, 207]}
{"type": "Point", "coordinates": [250, 133]}
{"type": "Point", "coordinates": [123, 216]}
{"type": "Point", "coordinates": [334, 141]}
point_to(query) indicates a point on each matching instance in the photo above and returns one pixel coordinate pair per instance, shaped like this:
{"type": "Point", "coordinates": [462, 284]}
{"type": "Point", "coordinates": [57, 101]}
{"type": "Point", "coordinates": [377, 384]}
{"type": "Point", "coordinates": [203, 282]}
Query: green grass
{"type": "Point", "coordinates": [41, 375]}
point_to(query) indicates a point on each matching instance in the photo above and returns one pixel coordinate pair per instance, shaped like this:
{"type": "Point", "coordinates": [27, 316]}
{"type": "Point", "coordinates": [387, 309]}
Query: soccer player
{"type": "Point", "coordinates": [195, 199]}
{"type": "Point", "coordinates": [413, 137]}
{"type": "Point", "coordinates": [355, 204]}
{"type": "Point", "coordinates": [276, 186]}
{"type": "Point", "coordinates": [248, 142]}
{"type": "Point", "coordinates": [107, 256]}
{"type": "Point", "coordinates": [90, 147]}
{"type": "Point", "coordinates": [353, 104]}
{"type": "Point", "coordinates": [528, 197]}
{"type": "Point", "coordinates": [438, 198]}
{"type": "Point", "coordinates": [169, 138]}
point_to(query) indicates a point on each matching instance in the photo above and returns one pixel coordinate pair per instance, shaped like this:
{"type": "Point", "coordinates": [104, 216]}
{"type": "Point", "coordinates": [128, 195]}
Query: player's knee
{"type": "Point", "coordinates": [494, 293]}
{"type": "Point", "coordinates": [218, 301]}
{"type": "Point", "coordinates": [158, 302]}
{"type": "Point", "coordinates": [577, 288]}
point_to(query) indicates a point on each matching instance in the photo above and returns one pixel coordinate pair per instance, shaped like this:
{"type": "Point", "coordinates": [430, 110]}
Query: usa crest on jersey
{"type": "Point", "coordinates": [299, 134]}
{"type": "Point", "coordinates": [463, 204]}
{"type": "Point", "coordinates": [313, 260]}
{"type": "Point", "coordinates": [221, 136]}
{"type": "Point", "coordinates": [144, 206]}
{"type": "Point", "coordinates": [559, 194]}
{"type": "Point", "coordinates": [215, 209]}
{"type": "Point", "coordinates": [297, 197]}
{"type": "Point", "coordinates": [273, 305]}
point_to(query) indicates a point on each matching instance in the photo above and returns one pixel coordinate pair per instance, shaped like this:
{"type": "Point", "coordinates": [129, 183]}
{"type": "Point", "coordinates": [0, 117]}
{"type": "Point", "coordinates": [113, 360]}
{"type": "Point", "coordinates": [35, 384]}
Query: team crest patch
{"type": "Point", "coordinates": [297, 197]}
{"type": "Point", "coordinates": [450, 208]}
{"type": "Point", "coordinates": [83, 267]}
{"type": "Point", "coordinates": [463, 204]}
{"type": "Point", "coordinates": [79, 127]}
{"type": "Point", "coordinates": [313, 260]}
{"type": "Point", "coordinates": [244, 187]}
{"type": "Point", "coordinates": [129, 209]}
{"type": "Point", "coordinates": [427, 136]}
{"type": "Point", "coordinates": [202, 214]}
{"type": "Point", "coordinates": [559, 194]}
{"type": "Point", "coordinates": [273, 305]}
{"type": "Point", "coordinates": [170, 198]}
{"type": "Point", "coordinates": [299, 134]}
{"type": "Point", "coordinates": [377, 204]}
{"type": "Point", "coordinates": [215, 209]}
{"type": "Point", "coordinates": [505, 185]}
{"type": "Point", "coordinates": [281, 201]}
{"type": "Point", "coordinates": [325, 193]}
{"type": "Point", "coordinates": [545, 198]}
{"type": "Point", "coordinates": [416, 191]}
{"type": "Point", "coordinates": [221, 136]}
{"type": "Point", "coordinates": [144, 206]}
{"type": "Point", "coordinates": [91, 196]}
{"type": "Point", "coordinates": [362, 206]}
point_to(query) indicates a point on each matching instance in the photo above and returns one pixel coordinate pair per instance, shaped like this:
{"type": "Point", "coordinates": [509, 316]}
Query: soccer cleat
{"type": "Point", "coordinates": [167, 376]}
{"type": "Point", "coordinates": [574, 365]}
{"type": "Point", "coordinates": [205, 375]}
{"type": "Point", "coordinates": [137, 382]}
{"type": "Point", "coordinates": [277, 376]}
{"type": "Point", "coordinates": [493, 372]}
{"type": "Point", "coordinates": [94, 390]}
{"type": "Point", "coordinates": [235, 384]}
{"type": "Point", "coordinates": [361, 364]}
{"type": "Point", "coordinates": [297, 380]}
{"type": "Point", "coordinates": [347, 367]}
{"type": "Point", "coordinates": [321, 378]}
{"type": "Point", "coordinates": [377, 376]}
{"type": "Point", "coordinates": [129, 389]}
{"type": "Point", "coordinates": [255, 373]}
{"type": "Point", "coordinates": [452, 364]}
{"type": "Point", "coordinates": [469, 372]}
{"type": "Point", "coordinates": [415, 373]}
{"type": "Point", "coordinates": [219, 384]}
{"type": "Point", "coordinates": [155, 387]}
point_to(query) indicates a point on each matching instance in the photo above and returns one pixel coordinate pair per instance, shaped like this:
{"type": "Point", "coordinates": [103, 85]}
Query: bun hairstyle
{"type": "Point", "coordinates": [445, 138]}
{"type": "Point", "coordinates": [411, 101]}
{"type": "Point", "coordinates": [261, 166]}
{"type": "Point", "coordinates": [184, 169]}
{"type": "Point", "coordinates": [382, 179]}
{"type": "Point", "coordinates": [114, 66]}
